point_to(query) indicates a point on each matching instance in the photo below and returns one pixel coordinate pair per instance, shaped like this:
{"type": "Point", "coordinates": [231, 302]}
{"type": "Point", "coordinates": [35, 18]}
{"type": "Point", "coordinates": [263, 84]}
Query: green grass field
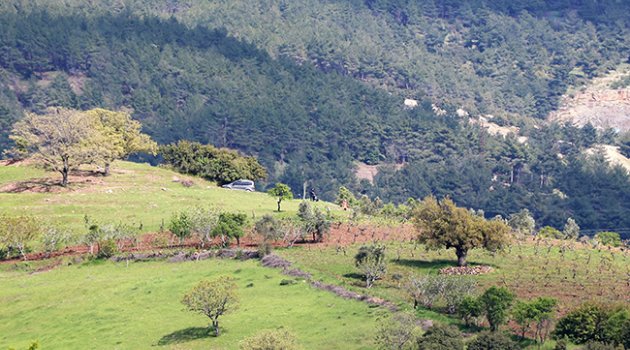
{"type": "Point", "coordinates": [105, 305]}
{"type": "Point", "coordinates": [134, 194]}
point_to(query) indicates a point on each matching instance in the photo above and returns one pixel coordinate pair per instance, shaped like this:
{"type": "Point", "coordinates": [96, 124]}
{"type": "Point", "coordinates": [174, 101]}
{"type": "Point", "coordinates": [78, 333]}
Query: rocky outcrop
{"type": "Point", "coordinates": [598, 104]}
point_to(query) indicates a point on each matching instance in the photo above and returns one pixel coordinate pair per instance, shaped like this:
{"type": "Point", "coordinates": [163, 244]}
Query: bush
{"type": "Point", "coordinates": [17, 232]}
{"type": "Point", "coordinates": [54, 239]}
{"type": "Point", "coordinates": [608, 238]}
{"type": "Point", "coordinates": [371, 262]}
{"type": "Point", "coordinates": [269, 228]}
{"type": "Point", "coordinates": [216, 164]}
{"type": "Point", "coordinates": [496, 303]}
{"type": "Point", "coordinates": [550, 232]}
{"type": "Point", "coordinates": [592, 322]}
{"type": "Point", "coordinates": [181, 226]}
{"type": "Point", "coordinates": [441, 337]}
{"type": "Point", "coordinates": [270, 340]}
{"type": "Point", "coordinates": [264, 248]}
{"type": "Point", "coordinates": [470, 309]}
{"type": "Point", "coordinates": [106, 249]}
{"type": "Point", "coordinates": [492, 341]}
{"type": "Point", "coordinates": [399, 332]}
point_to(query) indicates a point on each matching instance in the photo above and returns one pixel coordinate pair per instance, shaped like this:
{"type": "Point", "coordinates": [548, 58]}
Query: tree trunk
{"type": "Point", "coordinates": [215, 326]}
{"type": "Point", "coordinates": [64, 177]}
{"type": "Point", "coordinates": [238, 241]}
{"type": "Point", "coordinates": [279, 200]}
{"type": "Point", "coordinates": [461, 257]}
{"type": "Point", "coordinates": [64, 173]}
{"type": "Point", "coordinates": [106, 170]}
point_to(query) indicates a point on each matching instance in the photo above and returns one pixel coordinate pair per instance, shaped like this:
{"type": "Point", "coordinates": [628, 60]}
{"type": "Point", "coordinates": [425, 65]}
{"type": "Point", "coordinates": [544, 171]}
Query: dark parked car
{"type": "Point", "coordinates": [245, 185]}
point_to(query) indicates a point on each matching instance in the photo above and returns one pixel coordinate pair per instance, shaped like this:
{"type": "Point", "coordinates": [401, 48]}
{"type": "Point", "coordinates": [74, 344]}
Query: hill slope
{"type": "Point", "coordinates": [135, 194]}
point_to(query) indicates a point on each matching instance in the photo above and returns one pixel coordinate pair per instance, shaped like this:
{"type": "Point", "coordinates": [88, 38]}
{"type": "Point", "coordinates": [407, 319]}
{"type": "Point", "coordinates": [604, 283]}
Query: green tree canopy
{"type": "Point", "coordinates": [441, 224]}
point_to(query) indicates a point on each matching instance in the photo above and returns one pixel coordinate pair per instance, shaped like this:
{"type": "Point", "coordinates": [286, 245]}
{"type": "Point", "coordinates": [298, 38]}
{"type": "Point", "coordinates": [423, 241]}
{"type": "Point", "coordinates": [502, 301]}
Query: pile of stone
{"type": "Point", "coordinates": [466, 270]}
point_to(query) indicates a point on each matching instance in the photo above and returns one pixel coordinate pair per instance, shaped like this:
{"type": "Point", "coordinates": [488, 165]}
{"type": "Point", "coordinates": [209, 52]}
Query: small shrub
{"type": "Point", "coordinates": [441, 337]}
{"type": "Point", "coordinates": [54, 239]}
{"type": "Point", "coordinates": [594, 345]}
{"type": "Point", "coordinates": [399, 332]}
{"type": "Point", "coordinates": [264, 248]}
{"type": "Point", "coordinates": [270, 340]}
{"type": "Point", "coordinates": [592, 322]}
{"type": "Point", "coordinates": [496, 302]}
{"type": "Point", "coordinates": [550, 232]}
{"type": "Point", "coordinates": [608, 238]}
{"type": "Point", "coordinates": [106, 249]}
{"type": "Point", "coordinates": [492, 341]}
{"type": "Point", "coordinates": [371, 262]}
{"type": "Point", "coordinates": [469, 310]}
{"type": "Point", "coordinates": [181, 226]}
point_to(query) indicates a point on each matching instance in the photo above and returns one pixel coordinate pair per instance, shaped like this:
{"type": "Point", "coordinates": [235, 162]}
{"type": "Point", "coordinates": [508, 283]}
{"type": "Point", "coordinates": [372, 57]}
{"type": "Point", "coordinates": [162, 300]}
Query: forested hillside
{"type": "Point", "coordinates": [310, 87]}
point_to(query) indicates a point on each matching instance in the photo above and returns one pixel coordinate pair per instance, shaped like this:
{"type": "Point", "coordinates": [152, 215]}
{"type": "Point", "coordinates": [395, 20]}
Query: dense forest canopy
{"type": "Point", "coordinates": [312, 87]}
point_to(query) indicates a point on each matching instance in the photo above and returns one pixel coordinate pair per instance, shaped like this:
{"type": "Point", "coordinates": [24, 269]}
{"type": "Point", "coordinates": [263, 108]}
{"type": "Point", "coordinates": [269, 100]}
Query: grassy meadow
{"type": "Point", "coordinates": [106, 305]}
{"type": "Point", "coordinates": [135, 193]}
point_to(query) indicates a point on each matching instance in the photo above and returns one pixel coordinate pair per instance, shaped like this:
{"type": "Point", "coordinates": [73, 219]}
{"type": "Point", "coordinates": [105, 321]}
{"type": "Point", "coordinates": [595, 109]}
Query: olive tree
{"type": "Point", "coordinates": [213, 299]}
{"type": "Point", "coordinates": [441, 224]}
{"type": "Point", "coordinates": [371, 262]}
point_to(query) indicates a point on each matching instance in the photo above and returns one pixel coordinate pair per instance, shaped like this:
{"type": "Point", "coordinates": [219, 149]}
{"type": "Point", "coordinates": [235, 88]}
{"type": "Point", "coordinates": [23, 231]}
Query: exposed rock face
{"type": "Point", "coordinates": [598, 104]}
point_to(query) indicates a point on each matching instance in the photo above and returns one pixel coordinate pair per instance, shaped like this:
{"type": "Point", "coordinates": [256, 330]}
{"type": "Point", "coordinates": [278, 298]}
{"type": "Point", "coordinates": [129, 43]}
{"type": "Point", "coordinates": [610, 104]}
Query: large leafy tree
{"type": "Point", "coordinates": [58, 139]}
{"type": "Point", "coordinates": [441, 224]}
{"type": "Point", "coordinates": [118, 136]}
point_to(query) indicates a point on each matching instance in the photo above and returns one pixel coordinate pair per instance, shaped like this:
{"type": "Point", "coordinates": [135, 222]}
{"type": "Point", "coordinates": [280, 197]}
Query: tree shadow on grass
{"type": "Point", "coordinates": [433, 264]}
{"type": "Point", "coordinates": [186, 335]}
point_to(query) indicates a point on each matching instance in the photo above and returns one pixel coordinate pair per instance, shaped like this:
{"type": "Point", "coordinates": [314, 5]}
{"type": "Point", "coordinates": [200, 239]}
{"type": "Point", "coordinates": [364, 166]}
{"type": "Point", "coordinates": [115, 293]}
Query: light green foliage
{"type": "Point", "coordinates": [58, 139]}
{"type": "Point", "coordinates": [492, 341]}
{"type": "Point", "coordinates": [230, 225]}
{"type": "Point", "coordinates": [470, 308]}
{"type": "Point", "coordinates": [53, 239]}
{"type": "Point", "coordinates": [181, 226]}
{"type": "Point", "coordinates": [608, 238]}
{"type": "Point", "coordinates": [522, 223]}
{"type": "Point", "coordinates": [550, 232]}
{"type": "Point", "coordinates": [345, 194]}
{"type": "Point", "coordinates": [497, 302]}
{"type": "Point", "coordinates": [371, 262]}
{"type": "Point", "coordinates": [537, 314]}
{"type": "Point", "coordinates": [203, 221]}
{"type": "Point", "coordinates": [281, 191]}
{"type": "Point", "coordinates": [17, 232]}
{"type": "Point", "coordinates": [400, 332]}
{"type": "Point", "coordinates": [441, 224]}
{"type": "Point", "coordinates": [270, 340]}
{"type": "Point", "coordinates": [449, 290]}
{"type": "Point", "coordinates": [213, 298]}
{"type": "Point", "coordinates": [441, 337]}
{"type": "Point", "coordinates": [64, 139]}
{"type": "Point", "coordinates": [314, 221]}
{"type": "Point", "coordinates": [117, 136]}
{"type": "Point", "coordinates": [571, 229]}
